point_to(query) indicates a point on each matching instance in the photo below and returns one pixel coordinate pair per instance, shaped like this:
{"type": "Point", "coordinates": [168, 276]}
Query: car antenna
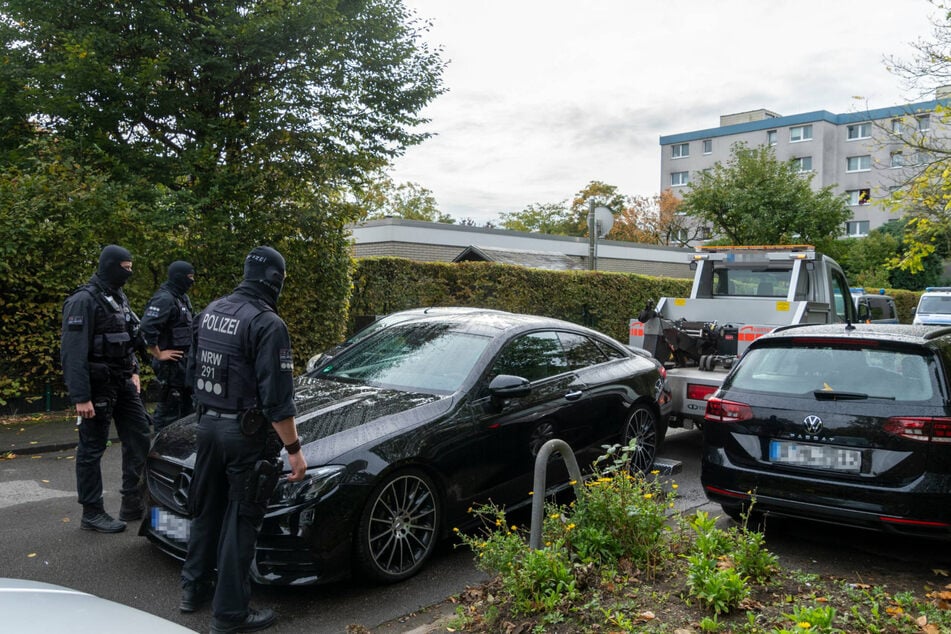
{"type": "Point", "coordinates": [848, 324]}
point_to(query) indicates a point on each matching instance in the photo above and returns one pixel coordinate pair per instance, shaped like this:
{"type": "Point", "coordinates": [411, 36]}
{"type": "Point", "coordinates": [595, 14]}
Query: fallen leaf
{"type": "Point", "coordinates": [894, 610]}
{"type": "Point", "coordinates": [31, 555]}
{"type": "Point", "coordinates": [647, 615]}
{"type": "Point", "coordinates": [940, 571]}
{"type": "Point", "coordinates": [45, 481]}
{"type": "Point", "coordinates": [922, 620]}
{"type": "Point", "coordinates": [860, 586]}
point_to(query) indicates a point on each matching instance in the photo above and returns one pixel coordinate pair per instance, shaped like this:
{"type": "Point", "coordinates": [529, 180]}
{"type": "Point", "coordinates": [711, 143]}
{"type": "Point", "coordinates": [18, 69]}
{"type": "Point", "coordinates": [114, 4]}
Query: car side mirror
{"type": "Point", "coordinates": [506, 386]}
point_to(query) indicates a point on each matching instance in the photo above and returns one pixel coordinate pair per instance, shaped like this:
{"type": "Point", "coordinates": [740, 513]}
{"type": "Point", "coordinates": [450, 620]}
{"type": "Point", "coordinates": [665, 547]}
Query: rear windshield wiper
{"type": "Point", "coordinates": [832, 395]}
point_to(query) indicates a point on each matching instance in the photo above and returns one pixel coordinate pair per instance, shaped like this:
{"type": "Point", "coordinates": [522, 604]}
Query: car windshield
{"type": "Point", "coordinates": [835, 371]}
{"type": "Point", "coordinates": [934, 304]}
{"type": "Point", "coordinates": [426, 356]}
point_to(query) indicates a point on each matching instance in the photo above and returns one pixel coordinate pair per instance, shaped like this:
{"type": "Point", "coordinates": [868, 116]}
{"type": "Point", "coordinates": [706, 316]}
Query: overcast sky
{"type": "Point", "coordinates": [545, 96]}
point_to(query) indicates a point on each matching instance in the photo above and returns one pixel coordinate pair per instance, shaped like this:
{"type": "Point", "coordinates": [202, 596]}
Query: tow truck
{"type": "Point", "coordinates": [739, 293]}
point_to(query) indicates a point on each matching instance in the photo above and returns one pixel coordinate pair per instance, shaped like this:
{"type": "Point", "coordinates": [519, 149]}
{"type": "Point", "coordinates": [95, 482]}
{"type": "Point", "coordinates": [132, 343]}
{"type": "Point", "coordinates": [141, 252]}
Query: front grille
{"type": "Point", "coordinates": [168, 484]}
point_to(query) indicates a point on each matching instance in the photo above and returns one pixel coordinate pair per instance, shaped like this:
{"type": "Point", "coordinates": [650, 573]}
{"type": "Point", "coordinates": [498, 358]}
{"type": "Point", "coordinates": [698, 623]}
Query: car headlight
{"type": "Point", "coordinates": [316, 482]}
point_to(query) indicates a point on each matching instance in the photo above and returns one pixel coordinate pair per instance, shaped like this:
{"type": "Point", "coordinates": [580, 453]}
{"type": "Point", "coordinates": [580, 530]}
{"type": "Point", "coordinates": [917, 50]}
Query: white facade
{"type": "Point", "coordinates": [859, 154]}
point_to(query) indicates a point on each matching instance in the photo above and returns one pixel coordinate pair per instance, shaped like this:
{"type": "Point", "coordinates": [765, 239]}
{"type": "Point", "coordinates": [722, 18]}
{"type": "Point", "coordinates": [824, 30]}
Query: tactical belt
{"type": "Point", "coordinates": [217, 414]}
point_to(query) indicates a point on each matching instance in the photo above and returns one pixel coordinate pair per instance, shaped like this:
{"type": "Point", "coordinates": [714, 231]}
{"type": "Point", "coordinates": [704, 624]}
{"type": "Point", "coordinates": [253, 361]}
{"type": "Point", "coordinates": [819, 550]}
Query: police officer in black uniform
{"type": "Point", "coordinates": [102, 379]}
{"type": "Point", "coordinates": [166, 331]}
{"type": "Point", "coordinates": [242, 373]}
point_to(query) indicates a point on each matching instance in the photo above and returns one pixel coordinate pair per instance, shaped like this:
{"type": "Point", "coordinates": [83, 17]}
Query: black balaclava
{"type": "Point", "coordinates": [178, 272]}
{"type": "Point", "coordinates": [110, 266]}
{"type": "Point", "coordinates": [264, 268]}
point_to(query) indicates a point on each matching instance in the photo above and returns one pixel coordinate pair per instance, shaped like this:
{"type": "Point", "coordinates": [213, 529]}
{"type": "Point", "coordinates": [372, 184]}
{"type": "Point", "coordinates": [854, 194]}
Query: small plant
{"type": "Point", "coordinates": [817, 619]}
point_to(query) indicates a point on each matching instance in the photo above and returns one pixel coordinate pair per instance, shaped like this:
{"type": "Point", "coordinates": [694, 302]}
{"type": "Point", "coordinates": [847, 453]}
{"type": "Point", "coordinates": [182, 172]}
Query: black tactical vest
{"type": "Point", "coordinates": [112, 342]}
{"type": "Point", "coordinates": [178, 334]}
{"type": "Point", "coordinates": [224, 374]}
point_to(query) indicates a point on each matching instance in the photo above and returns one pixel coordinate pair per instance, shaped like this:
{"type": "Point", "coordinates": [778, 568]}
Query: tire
{"type": "Point", "coordinates": [399, 527]}
{"type": "Point", "coordinates": [643, 426]}
{"type": "Point", "coordinates": [541, 433]}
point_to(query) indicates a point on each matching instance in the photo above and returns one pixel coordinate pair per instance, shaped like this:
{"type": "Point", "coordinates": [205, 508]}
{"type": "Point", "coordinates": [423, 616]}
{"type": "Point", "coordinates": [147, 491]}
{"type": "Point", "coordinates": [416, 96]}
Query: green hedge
{"type": "Point", "coordinates": [604, 301]}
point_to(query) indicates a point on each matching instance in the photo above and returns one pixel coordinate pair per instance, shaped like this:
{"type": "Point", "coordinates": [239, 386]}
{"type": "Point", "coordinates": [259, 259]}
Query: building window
{"type": "Point", "coordinates": [678, 179]}
{"type": "Point", "coordinates": [924, 123]}
{"type": "Point", "coordinates": [896, 126]}
{"type": "Point", "coordinates": [859, 196]}
{"type": "Point", "coordinates": [708, 146]}
{"type": "Point", "coordinates": [680, 150]}
{"type": "Point", "coordinates": [858, 163]}
{"type": "Point", "coordinates": [802, 164]}
{"type": "Point", "coordinates": [771, 137]}
{"type": "Point", "coordinates": [856, 228]}
{"type": "Point", "coordinates": [859, 131]}
{"type": "Point", "coordinates": [896, 159]}
{"type": "Point", "coordinates": [800, 133]}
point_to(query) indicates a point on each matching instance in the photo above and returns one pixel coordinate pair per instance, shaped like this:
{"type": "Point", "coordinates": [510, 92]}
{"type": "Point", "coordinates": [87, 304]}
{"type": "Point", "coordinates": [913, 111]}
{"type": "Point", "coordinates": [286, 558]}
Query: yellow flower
{"type": "Point", "coordinates": [469, 510]}
{"type": "Point", "coordinates": [655, 472]}
{"type": "Point", "coordinates": [531, 493]}
{"type": "Point", "coordinates": [498, 522]}
{"type": "Point", "coordinates": [570, 527]}
{"type": "Point", "coordinates": [674, 486]}
{"type": "Point", "coordinates": [648, 496]}
{"type": "Point", "coordinates": [455, 530]}
{"type": "Point", "coordinates": [513, 527]}
{"type": "Point", "coordinates": [554, 516]}
{"type": "Point", "coordinates": [573, 482]}
{"type": "Point", "coordinates": [805, 625]}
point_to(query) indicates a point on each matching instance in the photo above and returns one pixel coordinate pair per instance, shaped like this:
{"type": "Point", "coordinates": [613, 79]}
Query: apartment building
{"type": "Point", "coordinates": [858, 153]}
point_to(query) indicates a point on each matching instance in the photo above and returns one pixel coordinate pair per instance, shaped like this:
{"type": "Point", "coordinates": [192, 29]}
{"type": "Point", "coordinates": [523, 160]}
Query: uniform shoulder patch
{"type": "Point", "coordinates": [152, 310]}
{"type": "Point", "coordinates": [75, 322]}
{"type": "Point", "coordinates": [287, 360]}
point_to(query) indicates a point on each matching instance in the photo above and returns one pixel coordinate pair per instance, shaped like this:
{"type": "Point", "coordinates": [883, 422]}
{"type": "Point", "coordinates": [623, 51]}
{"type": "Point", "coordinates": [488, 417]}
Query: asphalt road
{"type": "Point", "coordinates": [40, 539]}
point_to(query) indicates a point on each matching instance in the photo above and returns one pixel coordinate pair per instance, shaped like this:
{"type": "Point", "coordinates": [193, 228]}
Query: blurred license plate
{"type": "Point", "coordinates": [171, 525]}
{"type": "Point", "coordinates": [819, 456]}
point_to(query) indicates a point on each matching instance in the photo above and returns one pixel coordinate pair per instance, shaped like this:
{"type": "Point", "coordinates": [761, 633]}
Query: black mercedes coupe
{"type": "Point", "coordinates": [408, 428]}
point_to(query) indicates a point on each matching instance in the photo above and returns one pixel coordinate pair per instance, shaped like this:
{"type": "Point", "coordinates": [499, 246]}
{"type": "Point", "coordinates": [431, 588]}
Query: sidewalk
{"type": "Point", "coordinates": [26, 434]}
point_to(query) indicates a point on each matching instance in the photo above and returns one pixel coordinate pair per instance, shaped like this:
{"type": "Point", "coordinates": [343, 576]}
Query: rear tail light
{"type": "Point", "coordinates": [923, 428]}
{"type": "Point", "coordinates": [699, 392]}
{"type": "Point", "coordinates": [722, 411]}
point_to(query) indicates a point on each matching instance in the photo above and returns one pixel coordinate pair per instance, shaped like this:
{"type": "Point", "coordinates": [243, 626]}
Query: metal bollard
{"type": "Point", "coordinates": [539, 486]}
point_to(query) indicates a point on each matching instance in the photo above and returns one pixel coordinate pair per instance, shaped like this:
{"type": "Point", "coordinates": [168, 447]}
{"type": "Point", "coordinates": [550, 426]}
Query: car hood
{"type": "Point", "coordinates": [343, 416]}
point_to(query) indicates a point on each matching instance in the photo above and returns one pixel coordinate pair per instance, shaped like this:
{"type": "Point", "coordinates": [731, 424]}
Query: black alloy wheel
{"type": "Point", "coordinates": [541, 433]}
{"type": "Point", "coordinates": [642, 428]}
{"type": "Point", "coordinates": [399, 527]}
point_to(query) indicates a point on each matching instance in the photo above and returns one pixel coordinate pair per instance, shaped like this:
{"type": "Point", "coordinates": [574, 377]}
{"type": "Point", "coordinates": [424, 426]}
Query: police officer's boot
{"type": "Point", "coordinates": [132, 508]}
{"type": "Point", "coordinates": [96, 519]}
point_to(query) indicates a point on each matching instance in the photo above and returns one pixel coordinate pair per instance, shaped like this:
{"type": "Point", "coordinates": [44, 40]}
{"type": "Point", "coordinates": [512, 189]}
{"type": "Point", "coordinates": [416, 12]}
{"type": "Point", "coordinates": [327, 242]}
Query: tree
{"type": "Point", "coordinates": [225, 124]}
{"type": "Point", "coordinates": [407, 200]}
{"type": "Point", "coordinates": [757, 199]}
{"type": "Point", "coordinates": [602, 195]}
{"type": "Point", "coordinates": [924, 194]}
{"type": "Point", "coordinates": [550, 218]}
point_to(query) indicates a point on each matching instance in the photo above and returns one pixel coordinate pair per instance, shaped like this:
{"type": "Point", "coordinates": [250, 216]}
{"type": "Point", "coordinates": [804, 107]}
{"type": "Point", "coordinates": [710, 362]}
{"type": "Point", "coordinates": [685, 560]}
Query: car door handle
{"type": "Point", "coordinates": [573, 396]}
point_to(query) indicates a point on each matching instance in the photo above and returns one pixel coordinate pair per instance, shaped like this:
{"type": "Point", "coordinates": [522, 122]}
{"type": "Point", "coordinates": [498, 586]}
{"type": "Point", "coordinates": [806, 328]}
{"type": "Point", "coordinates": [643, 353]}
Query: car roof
{"type": "Point", "coordinates": [493, 322]}
{"type": "Point", "coordinates": [901, 333]}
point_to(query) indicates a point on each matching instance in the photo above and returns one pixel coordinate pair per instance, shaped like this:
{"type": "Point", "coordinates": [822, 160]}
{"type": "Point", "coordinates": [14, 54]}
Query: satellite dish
{"type": "Point", "coordinates": [603, 220]}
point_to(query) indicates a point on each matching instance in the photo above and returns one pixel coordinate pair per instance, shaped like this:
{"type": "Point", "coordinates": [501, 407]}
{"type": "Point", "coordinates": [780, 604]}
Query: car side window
{"type": "Point", "coordinates": [533, 356]}
{"type": "Point", "coordinates": [580, 351]}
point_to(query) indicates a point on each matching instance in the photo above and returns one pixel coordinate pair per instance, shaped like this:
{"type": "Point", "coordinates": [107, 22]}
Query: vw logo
{"type": "Point", "coordinates": [813, 423]}
{"type": "Point", "coordinates": [180, 494]}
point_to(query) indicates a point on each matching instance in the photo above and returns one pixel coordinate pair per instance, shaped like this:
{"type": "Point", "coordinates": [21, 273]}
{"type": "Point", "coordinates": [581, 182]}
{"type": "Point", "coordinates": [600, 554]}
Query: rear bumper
{"type": "Point", "coordinates": [921, 507]}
